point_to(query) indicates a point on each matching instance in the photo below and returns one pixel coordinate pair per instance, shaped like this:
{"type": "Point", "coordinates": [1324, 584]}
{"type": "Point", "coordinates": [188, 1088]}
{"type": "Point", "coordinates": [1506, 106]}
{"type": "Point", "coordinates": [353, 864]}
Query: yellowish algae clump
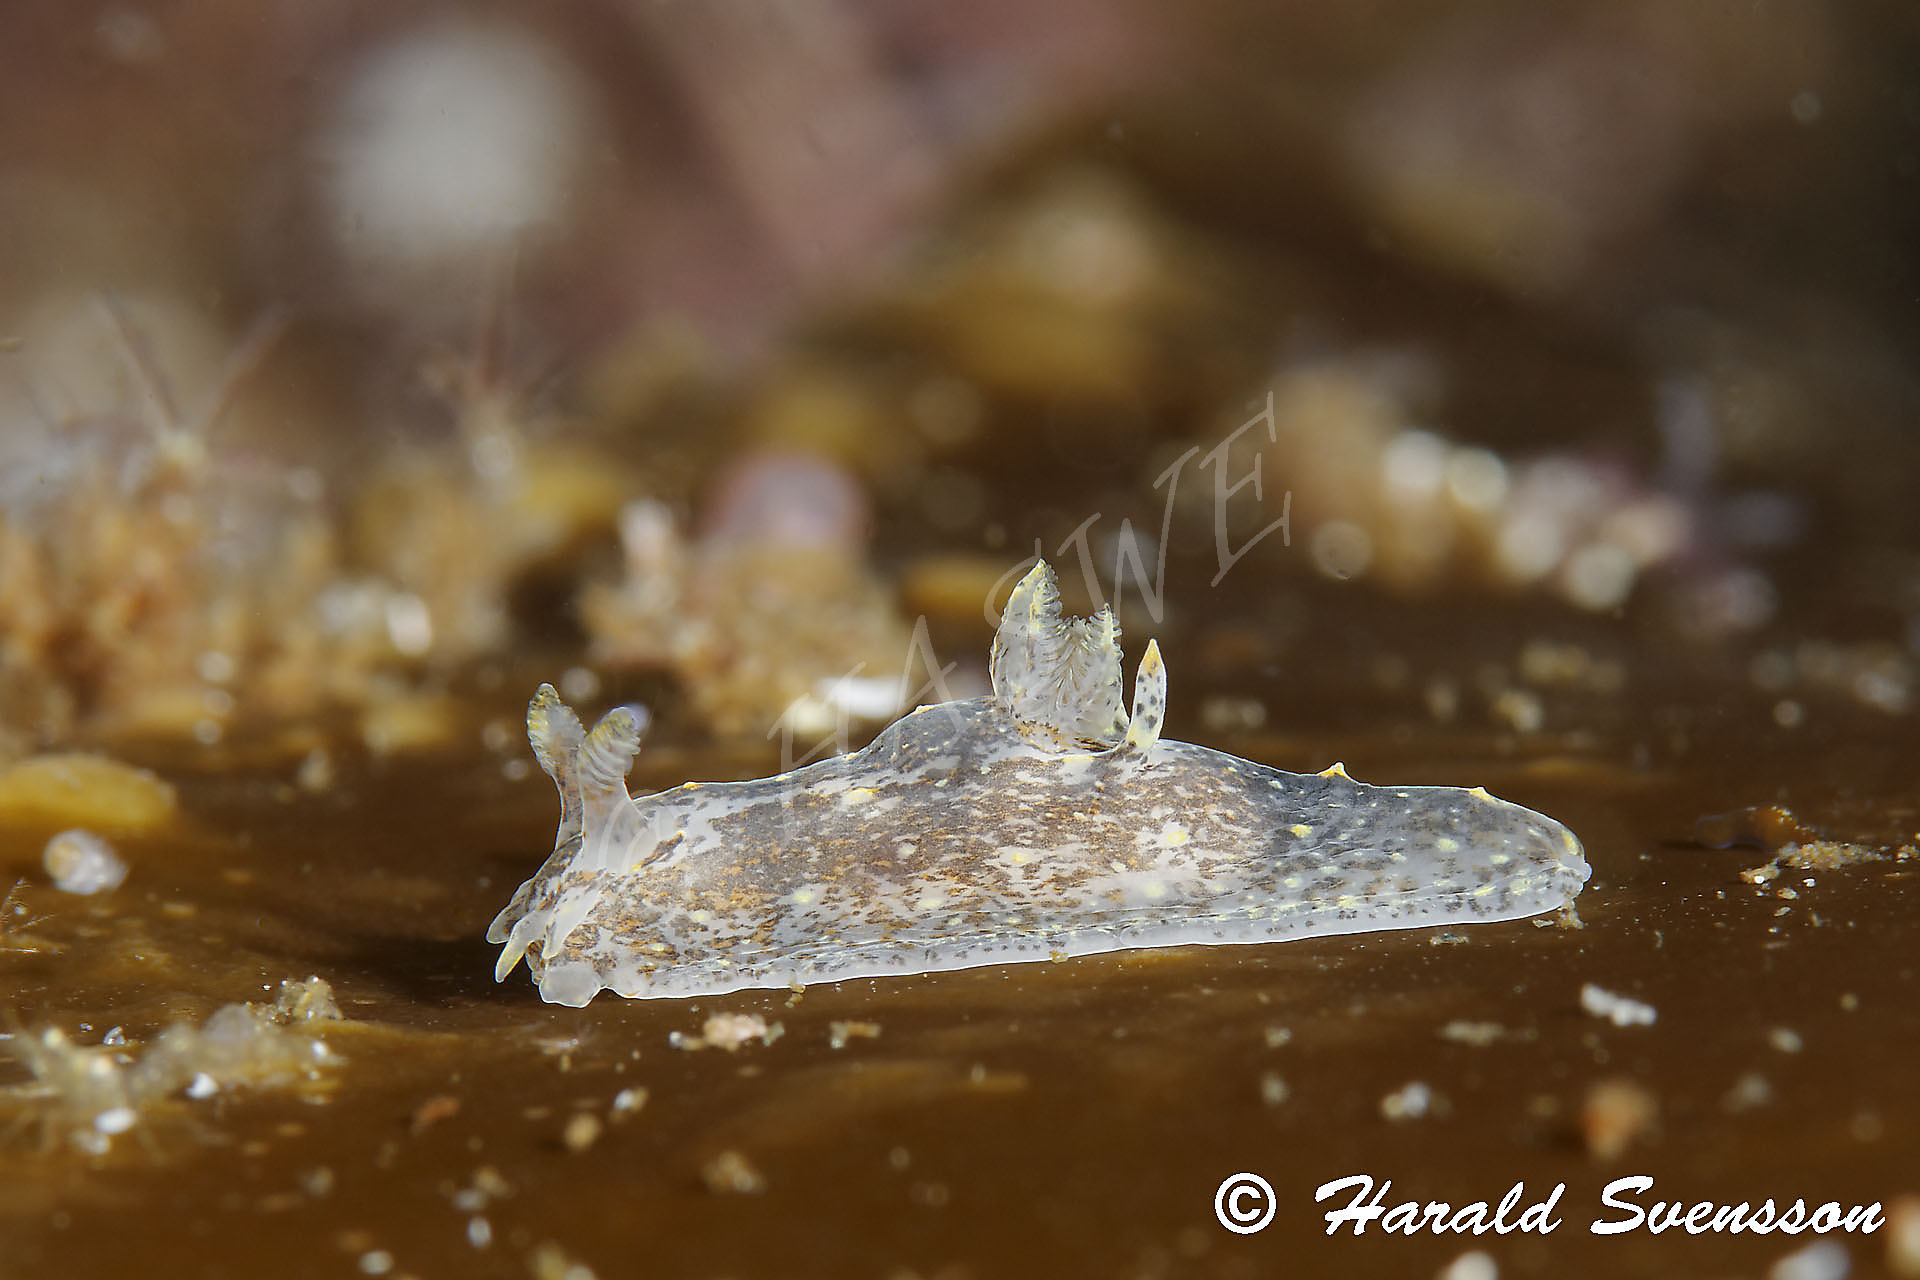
{"type": "Point", "coordinates": [80, 790]}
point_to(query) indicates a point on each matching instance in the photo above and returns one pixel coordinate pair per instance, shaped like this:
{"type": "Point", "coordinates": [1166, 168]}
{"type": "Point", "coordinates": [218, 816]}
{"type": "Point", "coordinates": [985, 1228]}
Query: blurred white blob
{"type": "Point", "coordinates": [445, 144]}
{"type": "Point", "coordinates": [785, 497]}
{"type": "Point", "coordinates": [1341, 549]}
{"type": "Point", "coordinates": [81, 862]}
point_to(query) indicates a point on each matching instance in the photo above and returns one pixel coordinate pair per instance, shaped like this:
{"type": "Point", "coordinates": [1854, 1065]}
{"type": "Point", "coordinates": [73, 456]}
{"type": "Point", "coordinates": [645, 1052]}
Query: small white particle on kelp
{"type": "Point", "coordinates": [840, 1033]}
{"type": "Point", "coordinates": [731, 1173]}
{"type": "Point", "coordinates": [728, 1031]}
{"type": "Point", "coordinates": [1621, 1011]}
{"type": "Point", "coordinates": [81, 862]}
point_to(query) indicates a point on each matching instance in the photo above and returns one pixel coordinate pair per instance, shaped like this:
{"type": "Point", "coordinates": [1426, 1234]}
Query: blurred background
{"type": "Point", "coordinates": [345, 345]}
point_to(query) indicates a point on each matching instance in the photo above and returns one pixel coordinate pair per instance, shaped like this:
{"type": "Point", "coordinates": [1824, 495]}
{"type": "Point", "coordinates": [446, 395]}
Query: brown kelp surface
{"type": "Point", "coordinates": [1473, 393]}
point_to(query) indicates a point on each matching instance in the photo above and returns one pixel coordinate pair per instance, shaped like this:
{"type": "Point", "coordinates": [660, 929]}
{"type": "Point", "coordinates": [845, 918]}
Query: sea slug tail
{"type": "Point", "coordinates": [1058, 676]}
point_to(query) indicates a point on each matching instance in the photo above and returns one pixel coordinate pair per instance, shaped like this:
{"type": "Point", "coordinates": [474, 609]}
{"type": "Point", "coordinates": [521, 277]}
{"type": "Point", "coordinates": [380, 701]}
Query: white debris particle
{"type": "Point", "coordinates": [862, 697]}
{"type": "Point", "coordinates": [1520, 710]}
{"type": "Point", "coordinates": [203, 1086]}
{"type": "Point", "coordinates": [1616, 1114]}
{"type": "Point", "coordinates": [1273, 1090]}
{"type": "Point", "coordinates": [1786, 1040]}
{"type": "Point", "coordinates": [1530, 543]}
{"type": "Point", "coordinates": [1224, 714]}
{"type": "Point", "coordinates": [497, 736]}
{"type": "Point", "coordinates": [316, 772]}
{"type": "Point", "coordinates": [931, 1195]}
{"type": "Point", "coordinates": [1598, 577]}
{"type": "Point", "coordinates": [479, 1232]}
{"type": "Point", "coordinates": [1476, 478]}
{"type": "Point", "coordinates": [409, 624]}
{"type": "Point", "coordinates": [114, 1120]}
{"type": "Point", "coordinates": [1619, 1010]}
{"type": "Point", "coordinates": [731, 1173]}
{"type": "Point", "coordinates": [728, 1031]}
{"type": "Point", "coordinates": [550, 1262]}
{"type": "Point", "coordinates": [1414, 466]}
{"type": "Point", "coordinates": [1822, 1260]}
{"type": "Point", "coordinates": [628, 1101]}
{"type": "Point", "coordinates": [579, 684]}
{"type": "Point", "coordinates": [839, 1033]}
{"type": "Point", "coordinates": [1341, 550]}
{"type": "Point", "coordinates": [215, 667]}
{"type": "Point", "coordinates": [582, 1131]}
{"type": "Point", "coordinates": [1903, 1236]}
{"type": "Point", "coordinates": [376, 1262]}
{"type": "Point", "coordinates": [1277, 1036]}
{"type": "Point", "coordinates": [489, 1181]}
{"type": "Point", "coordinates": [1477, 1034]}
{"type": "Point", "coordinates": [81, 862]}
{"type": "Point", "coordinates": [1749, 1091]}
{"type": "Point", "coordinates": [1409, 1102]}
{"type": "Point", "coordinates": [308, 1001]}
{"type": "Point", "coordinates": [1471, 1265]}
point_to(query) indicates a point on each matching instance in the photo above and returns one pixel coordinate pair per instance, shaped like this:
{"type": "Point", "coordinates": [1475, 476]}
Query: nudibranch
{"type": "Point", "coordinates": [1043, 821]}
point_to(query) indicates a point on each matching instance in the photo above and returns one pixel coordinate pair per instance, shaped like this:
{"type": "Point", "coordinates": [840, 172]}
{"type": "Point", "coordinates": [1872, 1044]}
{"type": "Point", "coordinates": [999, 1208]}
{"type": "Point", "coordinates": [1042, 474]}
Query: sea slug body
{"type": "Point", "coordinates": [1040, 822]}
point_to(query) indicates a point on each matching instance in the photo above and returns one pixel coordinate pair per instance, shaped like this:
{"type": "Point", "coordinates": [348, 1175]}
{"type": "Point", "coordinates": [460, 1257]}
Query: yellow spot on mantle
{"type": "Point", "coordinates": [1447, 844]}
{"type": "Point", "coordinates": [1301, 830]}
{"type": "Point", "coordinates": [1335, 770]}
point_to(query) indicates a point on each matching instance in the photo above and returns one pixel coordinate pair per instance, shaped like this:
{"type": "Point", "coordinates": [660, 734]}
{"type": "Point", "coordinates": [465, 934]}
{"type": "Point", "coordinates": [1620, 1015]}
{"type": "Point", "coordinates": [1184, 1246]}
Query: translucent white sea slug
{"type": "Point", "coordinates": [1041, 822]}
